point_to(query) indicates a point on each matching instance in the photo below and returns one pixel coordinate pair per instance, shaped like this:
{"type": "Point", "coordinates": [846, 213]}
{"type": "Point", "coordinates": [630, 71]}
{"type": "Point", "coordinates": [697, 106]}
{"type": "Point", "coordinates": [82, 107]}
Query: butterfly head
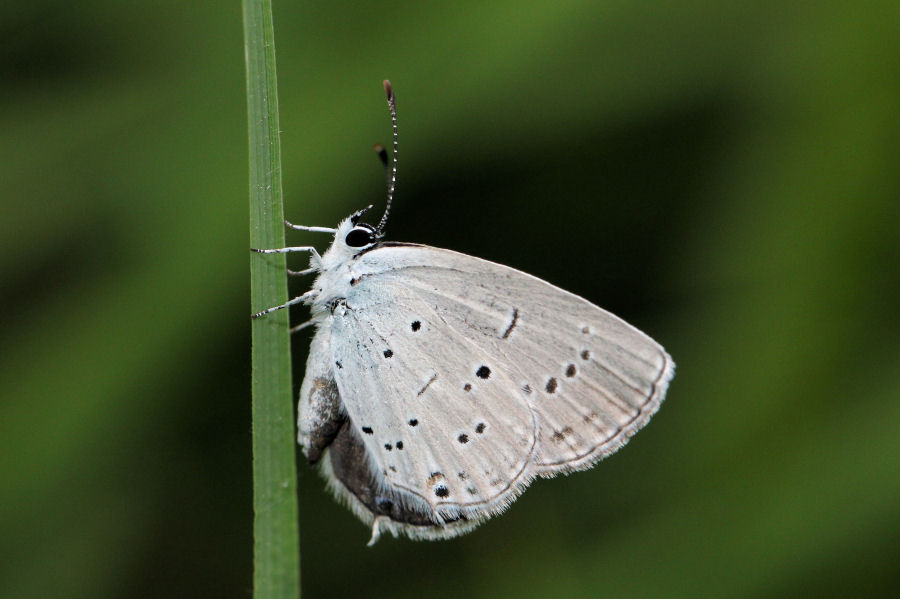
{"type": "Point", "coordinates": [361, 237]}
{"type": "Point", "coordinates": [351, 238]}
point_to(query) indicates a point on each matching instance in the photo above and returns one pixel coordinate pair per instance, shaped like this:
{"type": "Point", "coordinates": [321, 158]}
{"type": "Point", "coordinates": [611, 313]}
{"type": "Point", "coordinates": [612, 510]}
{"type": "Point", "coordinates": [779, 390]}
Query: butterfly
{"type": "Point", "coordinates": [439, 385]}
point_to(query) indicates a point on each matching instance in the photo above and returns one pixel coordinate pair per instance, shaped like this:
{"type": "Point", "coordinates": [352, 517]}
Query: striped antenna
{"type": "Point", "coordinates": [389, 91]}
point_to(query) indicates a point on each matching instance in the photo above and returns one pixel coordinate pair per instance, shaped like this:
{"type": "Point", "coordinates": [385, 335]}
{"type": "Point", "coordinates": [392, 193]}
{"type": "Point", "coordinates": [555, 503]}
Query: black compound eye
{"type": "Point", "coordinates": [360, 236]}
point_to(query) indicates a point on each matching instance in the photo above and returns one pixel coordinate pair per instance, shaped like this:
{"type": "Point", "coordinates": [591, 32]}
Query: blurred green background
{"type": "Point", "coordinates": [722, 175]}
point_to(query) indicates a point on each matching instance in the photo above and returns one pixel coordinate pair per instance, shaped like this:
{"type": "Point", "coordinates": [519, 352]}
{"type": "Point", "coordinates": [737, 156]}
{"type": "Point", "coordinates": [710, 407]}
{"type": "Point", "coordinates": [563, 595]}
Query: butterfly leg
{"type": "Point", "coordinates": [300, 273]}
{"type": "Point", "coordinates": [302, 326]}
{"type": "Point", "coordinates": [310, 229]}
{"type": "Point", "coordinates": [376, 529]}
{"type": "Point", "coordinates": [296, 300]}
{"type": "Point", "coordinates": [289, 250]}
{"type": "Point", "coordinates": [314, 257]}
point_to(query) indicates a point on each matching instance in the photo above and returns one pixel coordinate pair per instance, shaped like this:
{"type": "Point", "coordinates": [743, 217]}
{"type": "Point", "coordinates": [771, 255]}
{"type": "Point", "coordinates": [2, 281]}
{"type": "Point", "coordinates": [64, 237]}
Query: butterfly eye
{"type": "Point", "coordinates": [360, 236]}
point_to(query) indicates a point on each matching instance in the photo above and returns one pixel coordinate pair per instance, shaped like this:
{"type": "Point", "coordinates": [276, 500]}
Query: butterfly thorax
{"type": "Point", "coordinates": [336, 279]}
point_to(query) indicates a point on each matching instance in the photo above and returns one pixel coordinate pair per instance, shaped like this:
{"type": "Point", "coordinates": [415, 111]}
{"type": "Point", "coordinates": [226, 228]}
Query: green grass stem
{"type": "Point", "coordinates": [276, 554]}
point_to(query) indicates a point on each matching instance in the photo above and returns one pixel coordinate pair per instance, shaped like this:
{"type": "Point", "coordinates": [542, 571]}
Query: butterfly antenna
{"type": "Point", "coordinates": [389, 91]}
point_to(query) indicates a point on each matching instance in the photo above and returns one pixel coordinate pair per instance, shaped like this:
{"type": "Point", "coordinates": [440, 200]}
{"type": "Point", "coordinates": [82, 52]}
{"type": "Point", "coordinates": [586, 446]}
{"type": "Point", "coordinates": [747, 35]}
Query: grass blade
{"type": "Point", "coordinates": [276, 555]}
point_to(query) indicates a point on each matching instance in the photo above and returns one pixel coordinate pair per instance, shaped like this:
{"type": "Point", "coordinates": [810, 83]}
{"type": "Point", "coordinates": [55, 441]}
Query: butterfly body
{"type": "Point", "coordinates": [439, 385]}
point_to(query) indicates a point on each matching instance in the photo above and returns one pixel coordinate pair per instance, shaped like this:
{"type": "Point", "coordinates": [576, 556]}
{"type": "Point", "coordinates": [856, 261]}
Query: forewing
{"type": "Point", "coordinates": [434, 422]}
{"type": "Point", "coordinates": [592, 378]}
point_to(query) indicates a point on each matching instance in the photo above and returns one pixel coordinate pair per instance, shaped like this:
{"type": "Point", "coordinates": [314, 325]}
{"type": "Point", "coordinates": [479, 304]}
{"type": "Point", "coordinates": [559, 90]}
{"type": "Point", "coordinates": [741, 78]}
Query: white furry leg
{"type": "Point", "coordinates": [376, 530]}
